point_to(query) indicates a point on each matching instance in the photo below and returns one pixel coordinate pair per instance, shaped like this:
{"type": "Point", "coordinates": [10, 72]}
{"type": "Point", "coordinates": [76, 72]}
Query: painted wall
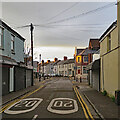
{"type": "Point", "coordinates": [119, 42]}
{"type": "Point", "coordinates": [96, 57]}
{"type": "Point", "coordinates": [19, 47]}
{"type": "Point", "coordinates": [109, 64]}
{"type": "Point", "coordinates": [119, 69]}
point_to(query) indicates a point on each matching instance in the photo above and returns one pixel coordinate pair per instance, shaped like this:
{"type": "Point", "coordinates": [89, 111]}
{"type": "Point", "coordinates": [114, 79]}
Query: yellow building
{"type": "Point", "coordinates": [119, 41]}
{"type": "Point", "coordinates": [110, 58]}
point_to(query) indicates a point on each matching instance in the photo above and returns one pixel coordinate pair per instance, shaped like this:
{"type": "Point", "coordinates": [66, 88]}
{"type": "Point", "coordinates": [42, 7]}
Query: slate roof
{"type": "Point", "coordinates": [62, 62]}
{"type": "Point", "coordinates": [87, 51]}
{"type": "Point", "coordinates": [69, 61]}
{"type": "Point", "coordinates": [56, 62]}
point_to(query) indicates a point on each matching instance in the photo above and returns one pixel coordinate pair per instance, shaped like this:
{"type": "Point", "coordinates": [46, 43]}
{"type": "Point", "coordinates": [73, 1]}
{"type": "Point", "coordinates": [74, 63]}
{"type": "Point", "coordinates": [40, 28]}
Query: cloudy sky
{"type": "Point", "coordinates": [59, 26]}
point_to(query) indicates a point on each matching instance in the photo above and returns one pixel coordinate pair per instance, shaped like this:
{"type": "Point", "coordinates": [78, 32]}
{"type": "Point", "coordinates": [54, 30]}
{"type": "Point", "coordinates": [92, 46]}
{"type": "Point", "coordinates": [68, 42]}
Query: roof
{"type": "Point", "coordinates": [62, 62]}
{"type": "Point", "coordinates": [94, 43]}
{"type": "Point", "coordinates": [93, 65]}
{"type": "Point", "coordinates": [11, 30]}
{"type": "Point", "coordinates": [56, 62]}
{"type": "Point", "coordinates": [69, 61]}
{"type": "Point", "coordinates": [45, 64]}
{"type": "Point", "coordinates": [97, 52]}
{"type": "Point", "coordinates": [112, 26]}
{"type": "Point", "coordinates": [79, 51]}
{"type": "Point", "coordinates": [87, 51]}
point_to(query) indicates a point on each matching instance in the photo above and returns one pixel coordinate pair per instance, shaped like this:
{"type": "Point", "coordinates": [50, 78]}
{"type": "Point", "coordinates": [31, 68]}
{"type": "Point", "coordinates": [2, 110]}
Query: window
{"type": "Point", "coordinates": [69, 72]}
{"type": "Point", "coordinates": [109, 42]}
{"type": "Point", "coordinates": [85, 59]}
{"type": "Point", "coordinates": [65, 73]}
{"type": "Point", "coordinates": [12, 43]}
{"type": "Point", "coordinates": [84, 70]}
{"type": "Point", "coordinates": [1, 37]}
{"type": "Point", "coordinates": [78, 67]}
{"type": "Point", "coordinates": [78, 59]}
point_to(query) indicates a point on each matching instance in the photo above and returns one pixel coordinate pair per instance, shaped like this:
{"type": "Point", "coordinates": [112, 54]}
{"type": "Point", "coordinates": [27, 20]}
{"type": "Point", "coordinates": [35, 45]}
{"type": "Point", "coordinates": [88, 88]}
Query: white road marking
{"type": "Point", "coordinates": [35, 117]}
{"type": "Point", "coordinates": [75, 109]}
{"type": "Point", "coordinates": [8, 111]}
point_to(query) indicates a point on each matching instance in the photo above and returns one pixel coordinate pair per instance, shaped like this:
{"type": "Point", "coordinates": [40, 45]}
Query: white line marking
{"type": "Point", "coordinates": [49, 108]}
{"type": "Point", "coordinates": [35, 117]}
{"type": "Point", "coordinates": [8, 111]}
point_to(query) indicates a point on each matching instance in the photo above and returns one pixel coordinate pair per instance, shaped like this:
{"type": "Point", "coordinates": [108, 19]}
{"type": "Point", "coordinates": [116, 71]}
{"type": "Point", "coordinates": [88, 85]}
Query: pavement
{"type": "Point", "coordinates": [104, 105]}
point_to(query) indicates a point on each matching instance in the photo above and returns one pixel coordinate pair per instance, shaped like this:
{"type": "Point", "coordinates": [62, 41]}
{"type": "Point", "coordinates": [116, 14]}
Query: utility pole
{"type": "Point", "coordinates": [75, 63]}
{"type": "Point", "coordinates": [31, 30]}
{"type": "Point", "coordinates": [43, 69]}
{"type": "Point", "coordinates": [40, 67]}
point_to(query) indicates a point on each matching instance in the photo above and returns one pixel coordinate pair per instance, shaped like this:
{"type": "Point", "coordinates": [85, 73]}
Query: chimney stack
{"type": "Point", "coordinates": [55, 59]}
{"type": "Point", "coordinates": [65, 58]}
{"type": "Point", "coordinates": [42, 61]}
{"type": "Point", "coordinates": [48, 61]}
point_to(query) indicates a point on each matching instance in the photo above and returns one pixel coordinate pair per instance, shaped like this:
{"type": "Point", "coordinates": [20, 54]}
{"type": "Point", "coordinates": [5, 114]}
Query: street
{"type": "Point", "coordinates": [57, 98]}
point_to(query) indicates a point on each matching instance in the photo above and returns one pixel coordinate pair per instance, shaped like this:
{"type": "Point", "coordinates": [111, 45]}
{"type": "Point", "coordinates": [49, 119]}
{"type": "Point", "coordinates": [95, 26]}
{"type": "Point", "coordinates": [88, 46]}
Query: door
{"type": "Point", "coordinates": [11, 84]}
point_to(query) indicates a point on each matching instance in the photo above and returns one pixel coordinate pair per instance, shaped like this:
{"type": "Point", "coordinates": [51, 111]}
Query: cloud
{"type": "Point", "coordinates": [58, 39]}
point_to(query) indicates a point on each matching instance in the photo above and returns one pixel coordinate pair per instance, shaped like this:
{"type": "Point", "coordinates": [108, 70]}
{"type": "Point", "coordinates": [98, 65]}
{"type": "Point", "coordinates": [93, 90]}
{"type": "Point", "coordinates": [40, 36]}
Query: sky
{"type": "Point", "coordinates": [59, 27]}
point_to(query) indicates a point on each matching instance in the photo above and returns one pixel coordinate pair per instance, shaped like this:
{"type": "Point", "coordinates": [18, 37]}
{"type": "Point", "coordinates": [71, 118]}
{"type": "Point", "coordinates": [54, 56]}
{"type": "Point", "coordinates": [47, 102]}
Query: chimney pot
{"type": "Point", "coordinates": [65, 57]}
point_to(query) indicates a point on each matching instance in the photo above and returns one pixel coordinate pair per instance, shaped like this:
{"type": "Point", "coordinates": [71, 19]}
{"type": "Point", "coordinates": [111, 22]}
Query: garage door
{"type": "Point", "coordinates": [5, 80]}
{"type": "Point", "coordinates": [19, 78]}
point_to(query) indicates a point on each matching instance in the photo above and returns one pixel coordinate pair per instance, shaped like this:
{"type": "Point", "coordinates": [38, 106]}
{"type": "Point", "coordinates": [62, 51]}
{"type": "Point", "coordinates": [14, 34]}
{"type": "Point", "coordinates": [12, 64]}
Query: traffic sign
{"type": "Point", "coordinates": [63, 106]}
{"type": "Point", "coordinates": [23, 106]}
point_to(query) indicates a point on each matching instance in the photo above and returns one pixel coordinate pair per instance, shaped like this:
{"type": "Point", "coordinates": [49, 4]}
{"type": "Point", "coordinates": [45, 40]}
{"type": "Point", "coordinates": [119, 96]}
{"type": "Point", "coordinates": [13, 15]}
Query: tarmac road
{"type": "Point", "coordinates": [55, 99]}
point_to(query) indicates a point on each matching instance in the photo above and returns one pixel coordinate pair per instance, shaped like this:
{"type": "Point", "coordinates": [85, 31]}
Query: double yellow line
{"type": "Point", "coordinates": [17, 100]}
{"type": "Point", "coordinates": [84, 105]}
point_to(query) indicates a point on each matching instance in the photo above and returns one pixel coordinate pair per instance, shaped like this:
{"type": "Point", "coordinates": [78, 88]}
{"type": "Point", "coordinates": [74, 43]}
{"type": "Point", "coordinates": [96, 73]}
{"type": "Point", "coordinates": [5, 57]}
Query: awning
{"type": "Point", "coordinates": [7, 60]}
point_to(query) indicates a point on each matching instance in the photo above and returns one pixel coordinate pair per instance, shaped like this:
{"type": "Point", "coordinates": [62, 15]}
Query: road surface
{"type": "Point", "coordinates": [57, 98]}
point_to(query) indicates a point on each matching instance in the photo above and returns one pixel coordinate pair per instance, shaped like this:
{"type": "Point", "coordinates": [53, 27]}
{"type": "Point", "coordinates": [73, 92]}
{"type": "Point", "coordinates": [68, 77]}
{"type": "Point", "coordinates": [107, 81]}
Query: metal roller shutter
{"type": "Point", "coordinates": [28, 78]}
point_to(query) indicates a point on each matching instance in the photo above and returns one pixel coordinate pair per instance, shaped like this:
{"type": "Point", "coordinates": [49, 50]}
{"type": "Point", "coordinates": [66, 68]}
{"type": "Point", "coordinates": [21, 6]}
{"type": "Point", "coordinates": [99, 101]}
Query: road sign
{"type": "Point", "coordinates": [23, 106]}
{"type": "Point", "coordinates": [63, 106]}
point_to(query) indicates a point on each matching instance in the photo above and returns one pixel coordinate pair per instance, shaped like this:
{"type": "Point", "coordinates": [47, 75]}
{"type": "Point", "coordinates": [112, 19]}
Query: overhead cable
{"type": "Point", "coordinates": [83, 14]}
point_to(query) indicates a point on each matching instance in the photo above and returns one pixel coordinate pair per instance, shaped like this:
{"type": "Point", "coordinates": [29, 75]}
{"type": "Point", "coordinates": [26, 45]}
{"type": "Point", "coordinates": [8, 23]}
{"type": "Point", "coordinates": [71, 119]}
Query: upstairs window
{"type": "Point", "coordinates": [109, 42]}
{"type": "Point", "coordinates": [1, 37]}
{"type": "Point", "coordinates": [12, 43]}
{"type": "Point", "coordinates": [78, 59]}
{"type": "Point", "coordinates": [85, 59]}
